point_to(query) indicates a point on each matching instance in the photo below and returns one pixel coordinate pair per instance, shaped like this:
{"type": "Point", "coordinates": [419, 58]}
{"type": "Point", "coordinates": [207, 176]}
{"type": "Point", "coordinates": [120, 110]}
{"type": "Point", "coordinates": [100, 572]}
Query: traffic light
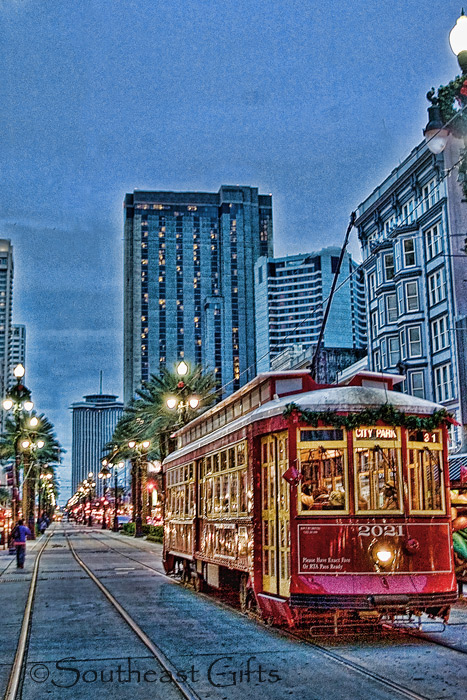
{"type": "Point", "coordinates": [10, 479]}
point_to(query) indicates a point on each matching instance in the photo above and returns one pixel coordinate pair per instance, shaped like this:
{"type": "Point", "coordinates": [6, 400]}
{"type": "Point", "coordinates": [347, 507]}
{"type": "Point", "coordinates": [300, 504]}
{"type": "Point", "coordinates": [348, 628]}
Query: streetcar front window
{"type": "Point", "coordinates": [377, 471]}
{"type": "Point", "coordinates": [323, 484]}
{"type": "Point", "coordinates": [425, 471]}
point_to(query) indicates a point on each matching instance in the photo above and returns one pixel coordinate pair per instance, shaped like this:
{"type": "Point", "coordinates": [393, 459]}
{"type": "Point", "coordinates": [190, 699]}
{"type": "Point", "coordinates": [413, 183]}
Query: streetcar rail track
{"type": "Point", "coordinates": [357, 668]}
{"type": "Point", "coordinates": [21, 649]}
{"type": "Point", "coordinates": [158, 654]}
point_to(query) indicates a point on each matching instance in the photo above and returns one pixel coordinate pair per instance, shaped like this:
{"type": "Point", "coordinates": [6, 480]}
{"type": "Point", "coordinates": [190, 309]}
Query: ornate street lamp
{"type": "Point", "coordinates": [447, 115]}
{"type": "Point", "coordinates": [109, 465]}
{"type": "Point", "coordinates": [18, 400]}
{"type": "Point", "coordinates": [104, 474]}
{"type": "Point", "coordinates": [183, 398]}
{"type": "Point", "coordinates": [139, 474]}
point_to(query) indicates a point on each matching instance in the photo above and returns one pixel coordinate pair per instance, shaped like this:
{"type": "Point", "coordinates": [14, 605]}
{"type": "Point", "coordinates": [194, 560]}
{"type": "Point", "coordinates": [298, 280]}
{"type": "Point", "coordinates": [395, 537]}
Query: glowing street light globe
{"type": "Point", "coordinates": [171, 402]}
{"type": "Point", "coordinates": [194, 402]}
{"type": "Point", "coordinates": [7, 404]}
{"type": "Point", "coordinates": [458, 41]}
{"type": "Point", "coordinates": [33, 422]}
{"type": "Point", "coordinates": [28, 405]}
{"type": "Point", "coordinates": [131, 444]}
{"type": "Point", "coordinates": [19, 371]}
{"type": "Point", "coordinates": [182, 368]}
{"type": "Point", "coordinates": [40, 444]}
{"type": "Point", "coordinates": [146, 444]}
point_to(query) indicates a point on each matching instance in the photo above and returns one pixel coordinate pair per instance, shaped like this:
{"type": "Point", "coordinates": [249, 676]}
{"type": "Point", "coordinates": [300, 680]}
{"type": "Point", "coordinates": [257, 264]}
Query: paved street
{"type": "Point", "coordinates": [79, 644]}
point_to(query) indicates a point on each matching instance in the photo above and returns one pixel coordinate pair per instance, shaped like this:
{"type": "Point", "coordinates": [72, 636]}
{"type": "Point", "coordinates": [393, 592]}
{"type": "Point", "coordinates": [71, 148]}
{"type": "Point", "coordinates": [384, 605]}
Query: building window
{"type": "Point", "coordinates": [400, 299]}
{"type": "Point", "coordinates": [443, 382]}
{"type": "Point", "coordinates": [439, 333]}
{"type": "Point", "coordinates": [393, 351]}
{"type": "Point", "coordinates": [384, 354]}
{"type": "Point", "coordinates": [433, 242]}
{"type": "Point", "coordinates": [372, 285]}
{"type": "Point", "coordinates": [409, 252]}
{"type": "Point", "coordinates": [381, 311]}
{"type": "Point", "coordinates": [374, 323]}
{"type": "Point", "coordinates": [391, 308]}
{"type": "Point", "coordinates": [429, 195]}
{"type": "Point", "coordinates": [389, 267]}
{"type": "Point", "coordinates": [417, 384]}
{"type": "Point", "coordinates": [437, 286]}
{"type": "Point", "coordinates": [415, 341]}
{"type": "Point", "coordinates": [377, 361]}
{"type": "Point", "coordinates": [408, 212]}
{"type": "Point", "coordinates": [411, 296]}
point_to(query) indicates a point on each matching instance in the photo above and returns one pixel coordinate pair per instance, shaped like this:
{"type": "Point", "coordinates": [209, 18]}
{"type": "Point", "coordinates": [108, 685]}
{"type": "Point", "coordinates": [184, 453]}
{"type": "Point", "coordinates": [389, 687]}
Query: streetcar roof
{"type": "Point", "coordinates": [343, 399]}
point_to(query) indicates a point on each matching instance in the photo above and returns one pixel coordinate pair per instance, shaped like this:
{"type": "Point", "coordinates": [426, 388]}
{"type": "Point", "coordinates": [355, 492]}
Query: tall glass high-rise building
{"type": "Point", "coordinates": [291, 295]}
{"type": "Point", "coordinates": [189, 281]}
{"type": "Point", "coordinates": [6, 299]}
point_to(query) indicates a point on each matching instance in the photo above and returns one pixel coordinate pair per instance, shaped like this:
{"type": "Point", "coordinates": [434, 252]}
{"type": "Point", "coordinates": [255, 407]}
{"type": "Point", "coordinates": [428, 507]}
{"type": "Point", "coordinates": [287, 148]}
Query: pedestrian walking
{"type": "Point", "coordinates": [18, 535]}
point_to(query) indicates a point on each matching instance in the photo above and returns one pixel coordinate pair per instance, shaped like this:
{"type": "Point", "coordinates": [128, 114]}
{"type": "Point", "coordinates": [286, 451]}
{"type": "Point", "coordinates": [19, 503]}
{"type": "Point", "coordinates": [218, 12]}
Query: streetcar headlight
{"type": "Point", "coordinates": [383, 555]}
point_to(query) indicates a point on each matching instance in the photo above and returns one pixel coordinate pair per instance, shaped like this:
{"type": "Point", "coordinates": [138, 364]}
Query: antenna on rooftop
{"type": "Point", "coordinates": [100, 382]}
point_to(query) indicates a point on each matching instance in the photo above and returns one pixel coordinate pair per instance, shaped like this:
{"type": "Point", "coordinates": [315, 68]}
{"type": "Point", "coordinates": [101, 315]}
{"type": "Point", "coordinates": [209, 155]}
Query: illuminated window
{"type": "Point", "coordinates": [377, 468]}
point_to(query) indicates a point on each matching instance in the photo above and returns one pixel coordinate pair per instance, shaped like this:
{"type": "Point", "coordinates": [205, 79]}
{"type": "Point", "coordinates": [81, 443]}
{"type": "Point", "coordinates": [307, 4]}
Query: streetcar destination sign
{"type": "Point", "coordinates": [375, 434]}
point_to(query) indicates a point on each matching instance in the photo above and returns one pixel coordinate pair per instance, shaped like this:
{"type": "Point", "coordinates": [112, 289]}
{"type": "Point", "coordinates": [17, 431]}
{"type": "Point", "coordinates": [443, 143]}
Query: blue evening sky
{"type": "Point", "coordinates": [314, 102]}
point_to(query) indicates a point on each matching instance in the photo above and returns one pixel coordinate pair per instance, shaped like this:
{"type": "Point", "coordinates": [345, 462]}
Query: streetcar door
{"type": "Point", "coordinates": [275, 515]}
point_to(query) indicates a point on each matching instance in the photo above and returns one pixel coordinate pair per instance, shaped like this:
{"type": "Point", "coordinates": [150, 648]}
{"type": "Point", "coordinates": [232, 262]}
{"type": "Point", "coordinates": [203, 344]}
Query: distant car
{"type": "Point", "coordinates": [122, 520]}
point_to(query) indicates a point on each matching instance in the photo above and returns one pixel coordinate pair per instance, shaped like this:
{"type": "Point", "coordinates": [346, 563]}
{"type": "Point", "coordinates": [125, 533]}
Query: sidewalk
{"type": "Point", "coordinates": [8, 561]}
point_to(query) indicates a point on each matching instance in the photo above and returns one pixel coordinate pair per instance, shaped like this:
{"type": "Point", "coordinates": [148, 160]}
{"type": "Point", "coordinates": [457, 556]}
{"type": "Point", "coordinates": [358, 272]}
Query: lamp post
{"type": "Point", "coordinates": [30, 450]}
{"type": "Point", "coordinates": [87, 490]}
{"type": "Point", "coordinates": [44, 482]}
{"type": "Point", "coordinates": [18, 399]}
{"type": "Point", "coordinates": [104, 474]}
{"type": "Point", "coordinates": [139, 474]}
{"type": "Point", "coordinates": [437, 131]}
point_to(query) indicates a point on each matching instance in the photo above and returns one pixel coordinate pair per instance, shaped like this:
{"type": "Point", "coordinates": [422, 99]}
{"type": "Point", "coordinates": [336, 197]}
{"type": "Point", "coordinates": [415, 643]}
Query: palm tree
{"type": "Point", "coordinates": [148, 418]}
{"type": "Point", "coordinates": [33, 437]}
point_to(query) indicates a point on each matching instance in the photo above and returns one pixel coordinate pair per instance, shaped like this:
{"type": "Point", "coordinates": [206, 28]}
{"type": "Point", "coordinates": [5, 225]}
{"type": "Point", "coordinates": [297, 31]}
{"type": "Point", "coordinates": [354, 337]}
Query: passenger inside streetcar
{"type": "Point", "coordinates": [322, 486]}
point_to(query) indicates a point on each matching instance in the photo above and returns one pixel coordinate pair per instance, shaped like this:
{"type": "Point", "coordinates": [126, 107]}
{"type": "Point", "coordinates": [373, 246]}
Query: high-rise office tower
{"type": "Point", "coordinates": [17, 347]}
{"type": "Point", "coordinates": [291, 295]}
{"type": "Point", "coordinates": [6, 298]}
{"type": "Point", "coordinates": [189, 281]}
{"type": "Point", "coordinates": [93, 424]}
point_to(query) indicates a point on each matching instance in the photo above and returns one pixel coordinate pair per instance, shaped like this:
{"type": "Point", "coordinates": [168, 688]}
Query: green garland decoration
{"type": "Point", "coordinates": [370, 416]}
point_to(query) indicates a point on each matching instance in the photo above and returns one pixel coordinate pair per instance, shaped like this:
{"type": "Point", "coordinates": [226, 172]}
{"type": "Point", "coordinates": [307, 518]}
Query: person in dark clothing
{"type": "Point", "coordinates": [306, 494]}
{"type": "Point", "coordinates": [19, 535]}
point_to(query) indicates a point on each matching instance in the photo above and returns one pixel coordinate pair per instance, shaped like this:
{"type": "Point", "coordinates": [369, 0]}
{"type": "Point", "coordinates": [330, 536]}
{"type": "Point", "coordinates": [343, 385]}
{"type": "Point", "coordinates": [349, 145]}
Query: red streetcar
{"type": "Point", "coordinates": [315, 502]}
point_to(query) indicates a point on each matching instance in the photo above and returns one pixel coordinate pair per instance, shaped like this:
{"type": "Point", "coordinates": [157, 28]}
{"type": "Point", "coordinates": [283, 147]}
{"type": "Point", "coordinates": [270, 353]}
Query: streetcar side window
{"type": "Point", "coordinates": [223, 487]}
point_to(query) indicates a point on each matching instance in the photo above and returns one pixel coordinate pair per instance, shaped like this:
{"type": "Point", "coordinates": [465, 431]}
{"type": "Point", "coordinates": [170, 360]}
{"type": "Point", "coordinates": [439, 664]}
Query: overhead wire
{"type": "Point", "coordinates": [320, 304]}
